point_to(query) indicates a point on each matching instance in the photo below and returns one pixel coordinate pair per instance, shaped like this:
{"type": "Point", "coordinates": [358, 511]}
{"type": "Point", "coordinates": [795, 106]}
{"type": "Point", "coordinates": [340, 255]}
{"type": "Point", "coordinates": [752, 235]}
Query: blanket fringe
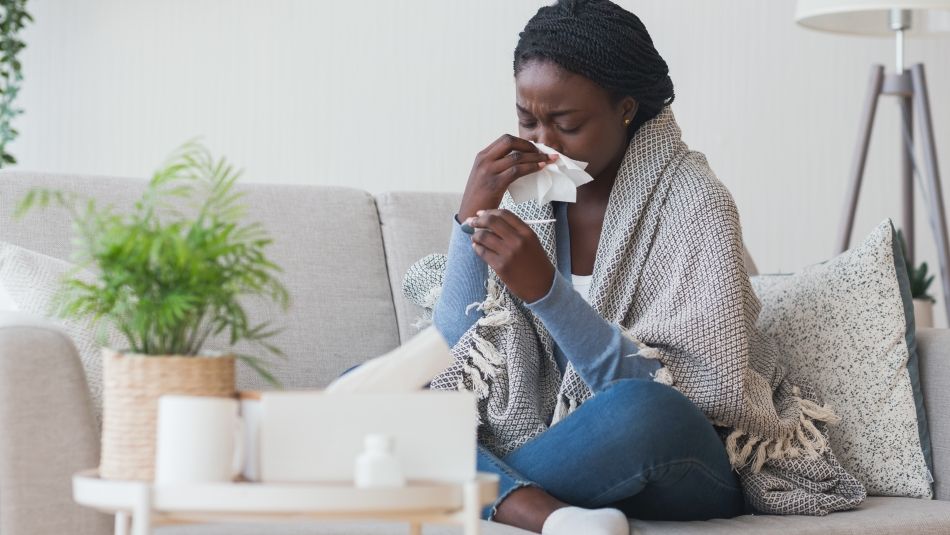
{"type": "Point", "coordinates": [428, 302]}
{"type": "Point", "coordinates": [479, 386]}
{"type": "Point", "coordinates": [663, 376]}
{"type": "Point", "coordinates": [643, 350]}
{"type": "Point", "coordinates": [560, 410]}
{"type": "Point", "coordinates": [482, 364]}
{"type": "Point", "coordinates": [565, 406]}
{"type": "Point", "coordinates": [488, 351]}
{"type": "Point", "coordinates": [460, 386]}
{"type": "Point", "coordinates": [804, 439]}
{"type": "Point", "coordinates": [485, 358]}
{"type": "Point", "coordinates": [819, 412]}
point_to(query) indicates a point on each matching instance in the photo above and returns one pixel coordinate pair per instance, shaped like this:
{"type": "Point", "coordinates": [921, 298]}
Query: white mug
{"type": "Point", "coordinates": [199, 440]}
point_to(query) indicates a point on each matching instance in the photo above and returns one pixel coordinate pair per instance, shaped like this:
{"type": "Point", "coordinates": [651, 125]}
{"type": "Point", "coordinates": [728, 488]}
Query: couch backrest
{"type": "Point", "coordinates": [326, 239]}
{"type": "Point", "coordinates": [344, 255]}
{"type": "Point", "coordinates": [414, 224]}
{"type": "Point", "coordinates": [933, 349]}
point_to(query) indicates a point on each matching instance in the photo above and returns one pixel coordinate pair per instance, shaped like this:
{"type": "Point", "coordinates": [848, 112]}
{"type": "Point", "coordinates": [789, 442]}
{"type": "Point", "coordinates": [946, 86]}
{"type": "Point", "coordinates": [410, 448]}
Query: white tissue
{"type": "Point", "coordinates": [557, 181]}
{"type": "Point", "coordinates": [404, 369]}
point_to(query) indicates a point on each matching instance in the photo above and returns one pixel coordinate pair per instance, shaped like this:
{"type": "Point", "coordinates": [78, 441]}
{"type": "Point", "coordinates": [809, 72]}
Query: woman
{"type": "Point", "coordinates": [587, 321]}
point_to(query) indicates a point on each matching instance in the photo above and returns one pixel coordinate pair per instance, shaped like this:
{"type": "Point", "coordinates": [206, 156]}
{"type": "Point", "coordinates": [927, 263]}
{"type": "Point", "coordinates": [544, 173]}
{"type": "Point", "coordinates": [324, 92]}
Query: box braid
{"type": "Point", "coordinates": [601, 41]}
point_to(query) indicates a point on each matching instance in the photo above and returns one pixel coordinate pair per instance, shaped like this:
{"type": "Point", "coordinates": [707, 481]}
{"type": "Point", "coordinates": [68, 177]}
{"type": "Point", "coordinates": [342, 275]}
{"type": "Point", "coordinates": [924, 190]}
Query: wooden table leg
{"type": "Point", "coordinates": [415, 528]}
{"type": "Point", "coordinates": [472, 509]}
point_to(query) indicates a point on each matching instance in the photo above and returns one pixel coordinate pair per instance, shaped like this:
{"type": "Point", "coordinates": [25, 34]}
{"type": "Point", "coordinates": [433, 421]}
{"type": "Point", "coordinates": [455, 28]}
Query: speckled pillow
{"type": "Point", "coordinates": [842, 327]}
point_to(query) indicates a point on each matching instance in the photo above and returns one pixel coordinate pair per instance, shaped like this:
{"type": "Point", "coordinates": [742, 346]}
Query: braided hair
{"type": "Point", "coordinates": [605, 43]}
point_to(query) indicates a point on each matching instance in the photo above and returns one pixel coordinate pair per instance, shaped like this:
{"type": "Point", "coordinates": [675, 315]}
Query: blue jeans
{"type": "Point", "coordinates": [638, 446]}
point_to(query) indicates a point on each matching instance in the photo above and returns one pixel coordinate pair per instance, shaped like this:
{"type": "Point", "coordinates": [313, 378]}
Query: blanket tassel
{"type": "Point", "coordinates": [805, 439]}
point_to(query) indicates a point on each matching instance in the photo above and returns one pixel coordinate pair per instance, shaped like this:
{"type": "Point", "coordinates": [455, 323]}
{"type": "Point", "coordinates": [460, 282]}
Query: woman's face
{"type": "Point", "coordinates": [573, 115]}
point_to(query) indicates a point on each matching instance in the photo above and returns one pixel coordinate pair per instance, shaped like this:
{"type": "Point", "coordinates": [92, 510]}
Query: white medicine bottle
{"type": "Point", "coordinates": [377, 466]}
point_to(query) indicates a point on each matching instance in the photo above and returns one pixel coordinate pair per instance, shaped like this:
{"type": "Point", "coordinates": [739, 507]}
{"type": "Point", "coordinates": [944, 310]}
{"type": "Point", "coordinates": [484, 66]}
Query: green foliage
{"type": "Point", "coordinates": [919, 281]}
{"type": "Point", "coordinates": [170, 273]}
{"type": "Point", "coordinates": [13, 17]}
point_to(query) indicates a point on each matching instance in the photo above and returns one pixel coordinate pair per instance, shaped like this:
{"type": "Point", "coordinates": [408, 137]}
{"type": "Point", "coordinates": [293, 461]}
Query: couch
{"type": "Point", "coordinates": [344, 252]}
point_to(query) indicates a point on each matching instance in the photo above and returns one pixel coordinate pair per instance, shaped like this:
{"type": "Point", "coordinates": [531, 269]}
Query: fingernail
{"type": "Point", "coordinates": [552, 156]}
{"type": "Point", "coordinates": [542, 164]}
{"type": "Point", "coordinates": [466, 228]}
{"type": "Point", "coordinates": [480, 212]}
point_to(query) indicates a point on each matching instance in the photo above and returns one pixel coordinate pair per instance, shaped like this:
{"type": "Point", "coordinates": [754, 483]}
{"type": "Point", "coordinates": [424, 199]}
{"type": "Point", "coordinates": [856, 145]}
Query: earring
{"type": "Point", "coordinates": [626, 122]}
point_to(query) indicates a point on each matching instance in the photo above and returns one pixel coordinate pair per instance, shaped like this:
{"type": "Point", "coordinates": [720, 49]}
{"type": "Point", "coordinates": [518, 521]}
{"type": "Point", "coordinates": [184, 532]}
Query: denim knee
{"type": "Point", "coordinates": [636, 390]}
{"type": "Point", "coordinates": [645, 400]}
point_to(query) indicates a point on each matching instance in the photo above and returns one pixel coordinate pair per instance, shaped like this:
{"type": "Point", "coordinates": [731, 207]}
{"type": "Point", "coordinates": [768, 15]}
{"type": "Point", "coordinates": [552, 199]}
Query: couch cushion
{"type": "Point", "coordinates": [333, 528]}
{"type": "Point", "coordinates": [414, 224]}
{"type": "Point", "coordinates": [876, 516]}
{"type": "Point", "coordinates": [326, 239]}
{"type": "Point", "coordinates": [882, 516]}
{"type": "Point", "coordinates": [933, 349]}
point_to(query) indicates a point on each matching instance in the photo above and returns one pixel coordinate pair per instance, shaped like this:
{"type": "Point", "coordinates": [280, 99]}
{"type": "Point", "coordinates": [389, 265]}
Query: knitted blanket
{"type": "Point", "coordinates": [669, 271]}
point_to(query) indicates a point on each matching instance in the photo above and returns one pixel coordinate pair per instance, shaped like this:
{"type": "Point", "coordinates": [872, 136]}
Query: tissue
{"type": "Point", "coordinates": [557, 181]}
{"type": "Point", "coordinates": [405, 369]}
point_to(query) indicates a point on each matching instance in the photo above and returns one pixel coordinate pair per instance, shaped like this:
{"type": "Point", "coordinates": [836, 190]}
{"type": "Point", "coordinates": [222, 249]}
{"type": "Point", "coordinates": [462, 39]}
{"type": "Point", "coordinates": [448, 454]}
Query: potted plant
{"type": "Point", "coordinates": [168, 275]}
{"type": "Point", "coordinates": [919, 284]}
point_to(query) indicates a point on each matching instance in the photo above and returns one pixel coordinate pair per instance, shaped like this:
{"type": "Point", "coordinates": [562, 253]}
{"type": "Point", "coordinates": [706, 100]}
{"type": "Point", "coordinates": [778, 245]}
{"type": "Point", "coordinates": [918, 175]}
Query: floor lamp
{"type": "Point", "coordinates": [899, 18]}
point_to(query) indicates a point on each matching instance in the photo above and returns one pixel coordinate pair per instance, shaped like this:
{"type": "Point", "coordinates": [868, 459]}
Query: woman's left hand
{"type": "Point", "coordinates": [512, 249]}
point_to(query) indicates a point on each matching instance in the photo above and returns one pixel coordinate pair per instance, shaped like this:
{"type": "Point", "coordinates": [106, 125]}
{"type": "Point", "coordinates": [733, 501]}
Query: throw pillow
{"type": "Point", "coordinates": [30, 280]}
{"type": "Point", "coordinates": [6, 300]}
{"type": "Point", "coordinates": [843, 327]}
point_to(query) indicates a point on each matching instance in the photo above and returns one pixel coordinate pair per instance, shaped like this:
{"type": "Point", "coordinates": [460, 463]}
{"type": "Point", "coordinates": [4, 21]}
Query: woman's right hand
{"type": "Point", "coordinates": [496, 167]}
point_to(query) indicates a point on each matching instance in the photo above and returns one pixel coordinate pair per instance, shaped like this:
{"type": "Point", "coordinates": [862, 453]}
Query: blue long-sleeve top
{"type": "Point", "coordinates": [597, 349]}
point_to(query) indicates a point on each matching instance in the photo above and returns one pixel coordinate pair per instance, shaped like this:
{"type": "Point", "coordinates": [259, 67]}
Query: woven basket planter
{"type": "Point", "coordinates": [132, 385]}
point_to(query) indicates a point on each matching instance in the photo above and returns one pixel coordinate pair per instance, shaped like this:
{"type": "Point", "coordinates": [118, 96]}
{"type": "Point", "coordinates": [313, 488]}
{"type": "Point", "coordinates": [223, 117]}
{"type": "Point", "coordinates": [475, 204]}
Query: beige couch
{"type": "Point", "coordinates": [344, 252]}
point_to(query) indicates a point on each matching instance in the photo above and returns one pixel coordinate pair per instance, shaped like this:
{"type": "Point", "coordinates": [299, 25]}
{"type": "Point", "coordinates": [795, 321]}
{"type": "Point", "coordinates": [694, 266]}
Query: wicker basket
{"type": "Point", "coordinates": [132, 385]}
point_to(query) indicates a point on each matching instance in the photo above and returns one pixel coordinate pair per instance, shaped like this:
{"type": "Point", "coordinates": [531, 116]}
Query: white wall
{"type": "Point", "coordinates": [401, 95]}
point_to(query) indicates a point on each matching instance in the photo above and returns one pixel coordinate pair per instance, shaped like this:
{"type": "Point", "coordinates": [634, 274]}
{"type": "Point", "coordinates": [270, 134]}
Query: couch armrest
{"type": "Point", "coordinates": [47, 431]}
{"type": "Point", "coordinates": [933, 348]}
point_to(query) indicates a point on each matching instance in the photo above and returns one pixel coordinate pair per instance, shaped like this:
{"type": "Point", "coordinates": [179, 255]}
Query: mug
{"type": "Point", "coordinates": [199, 440]}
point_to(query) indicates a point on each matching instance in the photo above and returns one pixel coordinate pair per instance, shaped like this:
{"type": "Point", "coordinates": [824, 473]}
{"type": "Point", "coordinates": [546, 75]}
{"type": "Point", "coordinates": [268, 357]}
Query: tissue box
{"type": "Point", "coordinates": [316, 437]}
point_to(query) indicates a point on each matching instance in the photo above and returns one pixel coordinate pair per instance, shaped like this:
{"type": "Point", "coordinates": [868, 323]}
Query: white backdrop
{"type": "Point", "coordinates": [387, 95]}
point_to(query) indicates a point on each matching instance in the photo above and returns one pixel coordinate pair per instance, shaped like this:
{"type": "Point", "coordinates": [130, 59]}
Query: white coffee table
{"type": "Point", "coordinates": [141, 505]}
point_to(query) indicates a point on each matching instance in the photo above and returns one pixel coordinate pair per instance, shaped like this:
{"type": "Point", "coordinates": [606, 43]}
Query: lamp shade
{"type": "Point", "coordinates": [872, 17]}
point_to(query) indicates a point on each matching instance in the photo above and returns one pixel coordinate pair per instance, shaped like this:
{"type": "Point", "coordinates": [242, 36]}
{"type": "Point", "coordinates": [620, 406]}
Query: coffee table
{"type": "Point", "coordinates": [140, 505]}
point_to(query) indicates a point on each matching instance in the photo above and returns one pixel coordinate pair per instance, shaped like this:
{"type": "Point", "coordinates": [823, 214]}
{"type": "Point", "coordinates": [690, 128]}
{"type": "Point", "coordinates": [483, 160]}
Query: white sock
{"type": "Point", "coordinates": [574, 520]}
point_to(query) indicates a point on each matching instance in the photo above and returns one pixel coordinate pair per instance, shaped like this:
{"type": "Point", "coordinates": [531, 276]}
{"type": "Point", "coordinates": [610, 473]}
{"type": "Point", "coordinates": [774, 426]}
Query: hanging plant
{"type": "Point", "coordinates": [13, 17]}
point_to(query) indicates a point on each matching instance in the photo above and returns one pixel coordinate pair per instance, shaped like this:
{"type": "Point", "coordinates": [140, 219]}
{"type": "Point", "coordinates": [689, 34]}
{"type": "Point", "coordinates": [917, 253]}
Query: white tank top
{"type": "Point", "coordinates": [582, 285]}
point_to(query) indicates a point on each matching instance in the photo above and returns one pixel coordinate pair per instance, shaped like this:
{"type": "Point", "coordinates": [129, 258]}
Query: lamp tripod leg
{"type": "Point", "coordinates": [907, 173]}
{"type": "Point", "coordinates": [937, 214]}
{"type": "Point", "coordinates": [875, 82]}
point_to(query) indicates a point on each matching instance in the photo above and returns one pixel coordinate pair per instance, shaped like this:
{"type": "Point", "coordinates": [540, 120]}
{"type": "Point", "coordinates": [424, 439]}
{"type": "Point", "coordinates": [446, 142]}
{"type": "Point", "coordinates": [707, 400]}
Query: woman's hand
{"type": "Point", "coordinates": [512, 249]}
{"type": "Point", "coordinates": [496, 167]}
